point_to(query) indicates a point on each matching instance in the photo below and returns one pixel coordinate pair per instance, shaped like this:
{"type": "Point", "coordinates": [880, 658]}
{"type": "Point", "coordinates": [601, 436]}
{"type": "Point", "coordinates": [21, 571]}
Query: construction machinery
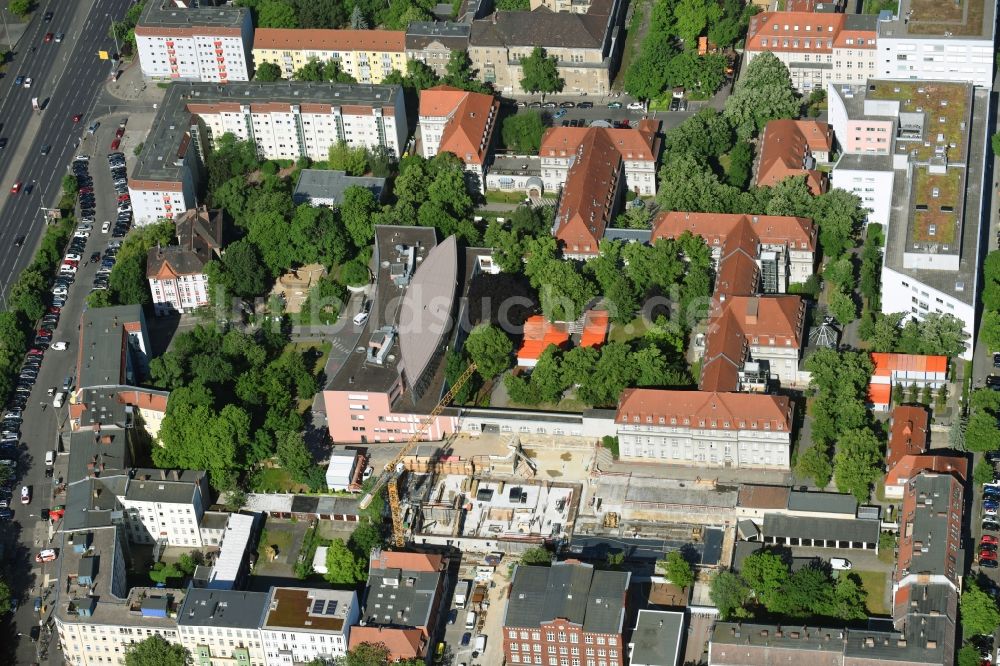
{"type": "Point", "coordinates": [394, 468]}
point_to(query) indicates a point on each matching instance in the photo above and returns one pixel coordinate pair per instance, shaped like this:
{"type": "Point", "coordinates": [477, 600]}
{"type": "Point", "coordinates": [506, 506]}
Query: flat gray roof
{"type": "Point", "coordinates": [159, 160]}
{"type": "Point", "coordinates": [322, 184]}
{"type": "Point", "coordinates": [656, 640]}
{"type": "Point", "coordinates": [419, 34]}
{"type": "Point", "coordinates": [808, 527]}
{"type": "Point", "coordinates": [166, 14]}
{"type": "Point", "coordinates": [407, 601]}
{"type": "Point", "coordinates": [930, 526]}
{"type": "Point", "coordinates": [799, 500]}
{"type": "Point", "coordinates": [102, 339]}
{"type": "Point", "coordinates": [223, 608]}
{"type": "Point", "coordinates": [864, 162]}
{"type": "Point", "coordinates": [581, 594]}
{"type": "Point", "coordinates": [934, 19]}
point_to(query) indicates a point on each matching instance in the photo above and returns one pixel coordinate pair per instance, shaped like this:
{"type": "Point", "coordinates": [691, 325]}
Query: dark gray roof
{"type": "Point", "coordinates": [166, 486]}
{"type": "Point", "coordinates": [214, 520]}
{"type": "Point", "coordinates": [102, 339]}
{"type": "Point", "coordinates": [593, 599]}
{"type": "Point", "coordinates": [808, 527]}
{"type": "Point", "coordinates": [199, 240]}
{"type": "Point", "coordinates": [781, 640]}
{"type": "Point", "coordinates": [166, 14]}
{"type": "Point", "coordinates": [545, 28]}
{"type": "Point", "coordinates": [101, 405]}
{"type": "Point", "coordinates": [866, 22]}
{"type": "Point", "coordinates": [628, 235]}
{"type": "Point", "coordinates": [400, 598]}
{"type": "Point", "coordinates": [223, 608]}
{"type": "Point", "coordinates": [452, 35]}
{"type": "Point", "coordinates": [656, 640]}
{"type": "Point", "coordinates": [931, 523]}
{"type": "Point", "coordinates": [799, 500]}
{"type": "Point", "coordinates": [323, 184]}
{"type": "Point", "coordinates": [97, 455]}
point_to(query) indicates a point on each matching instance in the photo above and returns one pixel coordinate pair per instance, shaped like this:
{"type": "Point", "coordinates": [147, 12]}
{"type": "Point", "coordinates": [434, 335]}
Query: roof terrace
{"type": "Point", "coordinates": [943, 130]}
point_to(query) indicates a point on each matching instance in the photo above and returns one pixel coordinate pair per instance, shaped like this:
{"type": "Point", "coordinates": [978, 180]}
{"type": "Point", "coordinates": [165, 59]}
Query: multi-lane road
{"type": "Point", "coordinates": [70, 76]}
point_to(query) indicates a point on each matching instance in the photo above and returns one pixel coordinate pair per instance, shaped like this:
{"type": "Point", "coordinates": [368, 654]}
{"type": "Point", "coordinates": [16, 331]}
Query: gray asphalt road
{"type": "Point", "coordinates": [70, 76]}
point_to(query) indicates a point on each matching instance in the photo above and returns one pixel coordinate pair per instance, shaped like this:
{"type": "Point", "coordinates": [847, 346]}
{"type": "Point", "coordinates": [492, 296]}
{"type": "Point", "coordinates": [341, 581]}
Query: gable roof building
{"type": "Point", "coordinates": [590, 197]}
{"type": "Point", "coordinates": [791, 148]}
{"type": "Point", "coordinates": [432, 42]}
{"type": "Point", "coordinates": [367, 55]}
{"type": "Point", "coordinates": [566, 604]}
{"type": "Point", "coordinates": [176, 273]}
{"type": "Point", "coordinates": [460, 122]}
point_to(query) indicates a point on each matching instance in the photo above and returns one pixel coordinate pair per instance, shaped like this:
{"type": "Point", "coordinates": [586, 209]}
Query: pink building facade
{"type": "Point", "coordinates": [372, 419]}
{"type": "Point", "coordinates": [871, 137]}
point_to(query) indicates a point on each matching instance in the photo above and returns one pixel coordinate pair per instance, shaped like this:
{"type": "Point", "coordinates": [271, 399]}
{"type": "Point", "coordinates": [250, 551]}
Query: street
{"type": "Point", "coordinates": [70, 77]}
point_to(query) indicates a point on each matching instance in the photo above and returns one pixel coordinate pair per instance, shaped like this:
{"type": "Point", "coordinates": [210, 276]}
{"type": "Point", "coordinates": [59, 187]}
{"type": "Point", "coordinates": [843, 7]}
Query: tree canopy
{"type": "Point", "coordinates": [978, 610]}
{"type": "Point", "coordinates": [763, 93]}
{"type": "Point", "coordinates": [540, 73]}
{"type": "Point", "coordinates": [522, 132]}
{"type": "Point", "coordinates": [156, 651]}
{"type": "Point", "coordinates": [490, 349]}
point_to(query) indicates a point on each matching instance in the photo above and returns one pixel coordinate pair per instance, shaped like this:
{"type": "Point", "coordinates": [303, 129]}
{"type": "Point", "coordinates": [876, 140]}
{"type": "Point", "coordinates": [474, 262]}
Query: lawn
{"type": "Point", "coordinates": [630, 331]}
{"type": "Point", "coordinates": [277, 480]}
{"type": "Point", "coordinates": [632, 39]}
{"type": "Point", "coordinates": [876, 6]}
{"type": "Point", "coordinates": [874, 583]}
{"type": "Point", "coordinates": [505, 197]}
{"type": "Point", "coordinates": [945, 222]}
{"type": "Point", "coordinates": [946, 106]}
{"type": "Point", "coordinates": [934, 17]}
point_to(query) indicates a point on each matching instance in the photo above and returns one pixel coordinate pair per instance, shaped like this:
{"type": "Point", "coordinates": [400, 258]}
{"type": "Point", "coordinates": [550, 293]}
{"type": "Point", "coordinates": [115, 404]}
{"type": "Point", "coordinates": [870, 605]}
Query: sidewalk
{"type": "Point", "coordinates": [132, 87]}
{"type": "Point", "coordinates": [16, 27]}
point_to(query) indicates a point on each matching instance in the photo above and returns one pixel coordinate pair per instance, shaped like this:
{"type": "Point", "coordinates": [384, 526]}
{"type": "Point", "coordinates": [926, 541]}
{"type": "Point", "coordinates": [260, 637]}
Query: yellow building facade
{"type": "Point", "coordinates": [367, 55]}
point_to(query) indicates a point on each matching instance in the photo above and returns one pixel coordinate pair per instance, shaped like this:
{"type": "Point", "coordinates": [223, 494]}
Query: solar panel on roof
{"type": "Point", "coordinates": [331, 607]}
{"type": "Point", "coordinates": [318, 606]}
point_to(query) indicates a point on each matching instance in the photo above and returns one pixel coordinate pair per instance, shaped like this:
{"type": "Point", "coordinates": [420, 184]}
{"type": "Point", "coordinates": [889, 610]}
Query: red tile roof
{"type": "Point", "coordinates": [908, 435]}
{"type": "Point", "coordinates": [798, 233]}
{"type": "Point", "coordinates": [879, 394]}
{"type": "Point", "coordinates": [595, 328]}
{"type": "Point", "coordinates": [402, 643]}
{"type": "Point", "coordinates": [804, 32]}
{"type": "Point", "coordinates": [386, 559]}
{"type": "Point", "coordinates": [538, 334]}
{"type": "Point", "coordinates": [707, 410]}
{"type": "Point", "coordinates": [588, 198]}
{"type": "Point", "coordinates": [886, 364]}
{"type": "Point", "coordinates": [301, 39]}
{"type": "Point", "coordinates": [784, 147]}
{"type": "Point", "coordinates": [909, 466]}
{"type": "Point", "coordinates": [468, 131]}
{"type": "Point", "coordinates": [637, 143]}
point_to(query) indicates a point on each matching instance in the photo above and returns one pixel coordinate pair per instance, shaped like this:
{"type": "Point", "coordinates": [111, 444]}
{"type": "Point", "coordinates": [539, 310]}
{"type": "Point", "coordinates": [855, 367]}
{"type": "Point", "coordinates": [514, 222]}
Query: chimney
{"type": "Point", "coordinates": [753, 304]}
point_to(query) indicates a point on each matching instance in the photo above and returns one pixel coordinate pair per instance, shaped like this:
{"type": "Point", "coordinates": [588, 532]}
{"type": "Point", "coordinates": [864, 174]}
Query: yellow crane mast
{"type": "Point", "coordinates": [394, 468]}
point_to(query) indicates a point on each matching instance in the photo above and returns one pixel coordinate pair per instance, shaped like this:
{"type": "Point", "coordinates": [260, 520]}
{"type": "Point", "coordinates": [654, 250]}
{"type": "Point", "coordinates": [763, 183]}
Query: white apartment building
{"type": "Point", "coordinates": [176, 273]}
{"type": "Point", "coordinates": [639, 147]}
{"type": "Point", "coordinates": [817, 48]}
{"type": "Point", "coordinates": [939, 42]}
{"type": "Point", "coordinates": [97, 617]}
{"type": "Point", "coordinates": [185, 43]}
{"type": "Point", "coordinates": [302, 624]}
{"type": "Point", "coordinates": [708, 429]}
{"type": "Point", "coordinates": [165, 505]}
{"type": "Point", "coordinates": [286, 120]}
{"type": "Point", "coordinates": [870, 178]}
{"type": "Point", "coordinates": [222, 627]}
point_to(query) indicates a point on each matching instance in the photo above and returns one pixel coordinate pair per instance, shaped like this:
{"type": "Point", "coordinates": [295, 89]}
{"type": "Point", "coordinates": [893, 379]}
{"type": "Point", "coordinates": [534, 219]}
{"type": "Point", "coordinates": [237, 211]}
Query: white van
{"type": "Point", "coordinates": [470, 620]}
{"type": "Point", "coordinates": [480, 646]}
{"type": "Point", "coordinates": [57, 401]}
{"type": "Point", "coordinates": [50, 458]}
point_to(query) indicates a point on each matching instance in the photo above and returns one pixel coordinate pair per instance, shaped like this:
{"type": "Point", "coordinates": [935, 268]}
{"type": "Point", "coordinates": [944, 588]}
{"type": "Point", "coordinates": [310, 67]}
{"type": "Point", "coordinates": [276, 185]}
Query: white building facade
{"type": "Point", "coordinates": [195, 44]}
{"type": "Point", "coordinates": [319, 629]}
{"type": "Point", "coordinates": [178, 293]}
{"type": "Point", "coordinates": [936, 59]}
{"type": "Point", "coordinates": [162, 505]}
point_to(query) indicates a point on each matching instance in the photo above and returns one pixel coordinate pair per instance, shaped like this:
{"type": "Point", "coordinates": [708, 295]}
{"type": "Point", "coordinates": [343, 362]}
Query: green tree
{"type": "Point", "coordinates": [705, 136]}
{"type": "Point", "coordinates": [490, 349]}
{"type": "Point", "coordinates": [693, 17]}
{"type": "Point", "coordinates": [512, 5]}
{"type": "Point", "coordinates": [978, 610]}
{"type": "Point", "coordinates": [522, 132]}
{"type": "Point", "coordinates": [842, 307]}
{"type": "Point", "coordinates": [344, 158]}
{"type": "Point", "coordinates": [243, 270]}
{"type": "Point", "coordinates": [358, 20]}
{"type": "Point", "coordinates": [4, 597]}
{"type": "Point", "coordinates": [356, 211]}
{"type": "Point", "coordinates": [540, 73]}
{"type": "Point", "coordinates": [276, 14]}
{"type": "Point", "coordinates": [994, 142]}
{"type": "Point", "coordinates": [27, 294]}
{"type": "Point", "coordinates": [740, 165]}
{"type": "Point", "coordinates": [815, 463]}
{"type": "Point", "coordinates": [991, 281]}
{"type": "Point", "coordinates": [364, 539]}
{"type": "Point", "coordinates": [536, 556]}
{"type": "Point", "coordinates": [373, 654]}
{"type": "Point", "coordinates": [807, 592]}
{"type": "Point", "coordinates": [942, 334]}
{"type": "Point", "coordinates": [334, 73]}
{"type": "Point", "coordinates": [981, 433]}
{"type": "Point", "coordinates": [19, 8]}
{"type": "Point", "coordinates": [460, 74]}
{"type": "Point", "coordinates": [849, 599]}
{"type": "Point", "coordinates": [294, 455]}
{"type": "Point", "coordinates": [990, 329]}
{"type": "Point", "coordinates": [983, 472]}
{"type": "Point", "coordinates": [343, 566]}
{"type": "Point", "coordinates": [764, 93]}
{"type": "Point", "coordinates": [968, 655]}
{"type": "Point", "coordinates": [156, 651]}
{"type": "Point", "coordinates": [646, 77]}
{"type": "Point", "coordinates": [857, 463]}
{"type": "Point", "coordinates": [766, 574]}
{"type": "Point", "coordinates": [729, 594]}
{"type": "Point", "coordinates": [677, 569]}
{"type": "Point", "coordinates": [700, 76]}
{"type": "Point", "coordinates": [267, 72]}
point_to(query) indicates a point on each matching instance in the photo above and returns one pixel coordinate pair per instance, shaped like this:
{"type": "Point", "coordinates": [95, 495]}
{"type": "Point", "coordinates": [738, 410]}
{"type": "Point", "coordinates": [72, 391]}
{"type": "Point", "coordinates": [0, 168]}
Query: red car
{"type": "Point", "coordinates": [77, 117]}
{"type": "Point", "coordinates": [120, 132]}
{"type": "Point", "coordinates": [16, 187]}
{"type": "Point", "coordinates": [989, 538]}
{"type": "Point", "coordinates": [48, 37]}
{"type": "Point", "coordinates": [987, 555]}
{"type": "Point", "coordinates": [115, 144]}
{"type": "Point", "coordinates": [123, 197]}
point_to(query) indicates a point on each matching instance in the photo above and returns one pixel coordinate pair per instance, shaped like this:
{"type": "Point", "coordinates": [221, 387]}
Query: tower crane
{"type": "Point", "coordinates": [394, 468]}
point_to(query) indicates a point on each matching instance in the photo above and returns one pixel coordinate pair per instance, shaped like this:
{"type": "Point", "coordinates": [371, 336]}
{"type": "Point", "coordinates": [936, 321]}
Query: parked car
{"type": "Point", "coordinates": [25, 495]}
{"type": "Point", "coordinates": [635, 106]}
{"type": "Point", "coordinates": [614, 105]}
{"type": "Point", "coordinates": [47, 555]}
{"type": "Point", "coordinates": [840, 564]}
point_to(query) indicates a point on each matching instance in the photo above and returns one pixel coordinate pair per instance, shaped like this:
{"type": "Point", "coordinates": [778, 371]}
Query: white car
{"type": "Point", "coordinates": [635, 106]}
{"type": "Point", "coordinates": [368, 472]}
{"type": "Point", "coordinates": [72, 257]}
{"type": "Point", "coordinates": [81, 234]}
{"type": "Point", "coordinates": [840, 564]}
{"type": "Point", "coordinates": [59, 346]}
{"type": "Point", "coordinates": [67, 268]}
{"type": "Point", "coordinates": [85, 226]}
{"type": "Point", "coordinates": [106, 227]}
{"type": "Point", "coordinates": [25, 495]}
{"type": "Point", "coordinates": [27, 82]}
